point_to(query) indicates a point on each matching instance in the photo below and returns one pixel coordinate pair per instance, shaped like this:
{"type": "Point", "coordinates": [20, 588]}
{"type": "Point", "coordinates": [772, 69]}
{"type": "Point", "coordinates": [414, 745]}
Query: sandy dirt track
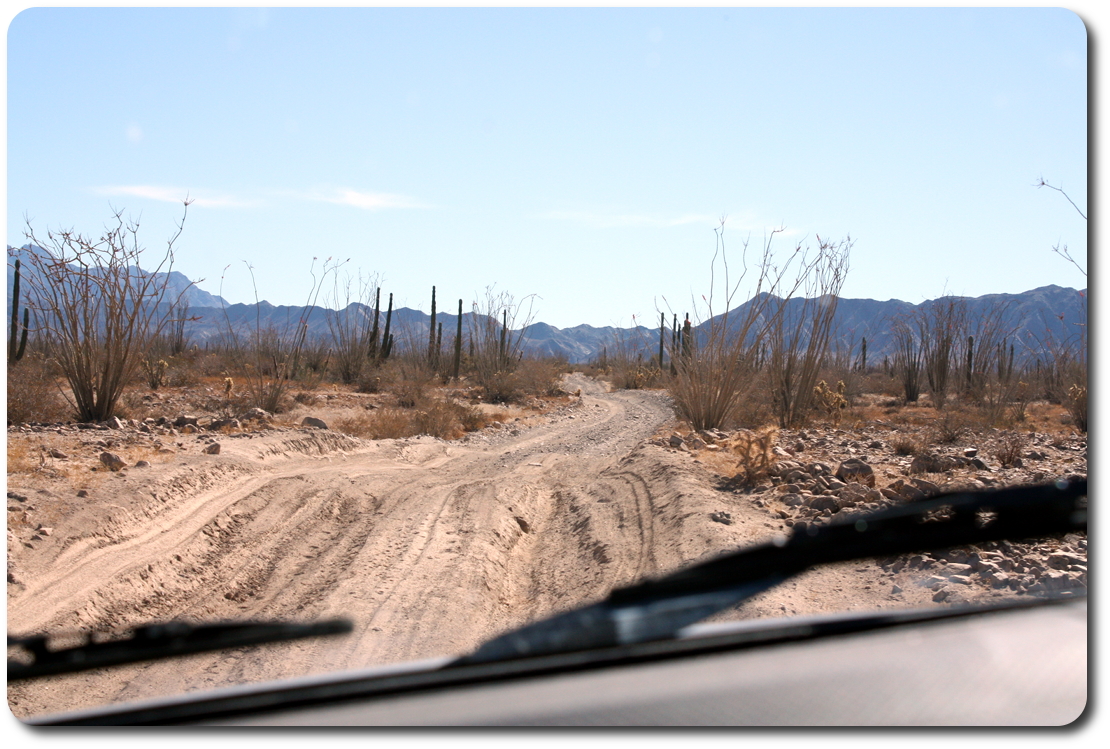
{"type": "Point", "coordinates": [429, 547]}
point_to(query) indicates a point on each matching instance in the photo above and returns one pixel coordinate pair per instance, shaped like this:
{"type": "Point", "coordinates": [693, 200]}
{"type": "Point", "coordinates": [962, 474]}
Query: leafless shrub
{"type": "Point", "coordinates": [350, 323]}
{"type": "Point", "coordinates": [100, 311]}
{"type": "Point", "coordinates": [266, 358]}
{"type": "Point", "coordinates": [1009, 448]}
{"type": "Point", "coordinates": [941, 326]}
{"type": "Point", "coordinates": [496, 332]}
{"type": "Point", "coordinates": [799, 332]}
{"type": "Point", "coordinates": [714, 365]}
{"type": "Point", "coordinates": [907, 357]}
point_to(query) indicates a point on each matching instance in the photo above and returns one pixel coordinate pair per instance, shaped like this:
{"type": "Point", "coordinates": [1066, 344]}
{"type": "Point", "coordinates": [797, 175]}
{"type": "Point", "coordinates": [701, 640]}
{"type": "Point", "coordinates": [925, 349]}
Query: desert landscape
{"type": "Point", "coordinates": [430, 545]}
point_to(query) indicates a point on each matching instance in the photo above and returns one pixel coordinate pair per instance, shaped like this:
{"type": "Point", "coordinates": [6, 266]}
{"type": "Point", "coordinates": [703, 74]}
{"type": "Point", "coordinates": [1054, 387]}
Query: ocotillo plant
{"type": "Point", "coordinates": [16, 351]}
{"type": "Point", "coordinates": [662, 332]}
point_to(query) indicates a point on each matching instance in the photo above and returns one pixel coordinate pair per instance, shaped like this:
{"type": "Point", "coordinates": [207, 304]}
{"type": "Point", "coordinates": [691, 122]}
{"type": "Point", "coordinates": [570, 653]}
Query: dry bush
{"type": "Point", "coordinates": [905, 445]}
{"type": "Point", "coordinates": [409, 379]}
{"type": "Point", "coordinates": [752, 449]}
{"type": "Point", "coordinates": [446, 419]}
{"type": "Point", "coordinates": [542, 377]}
{"type": "Point", "coordinates": [380, 423]}
{"type": "Point", "coordinates": [305, 398]}
{"type": "Point", "coordinates": [950, 427]}
{"type": "Point", "coordinates": [1009, 448]}
{"type": "Point", "coordinates": [33, 393]}
{"type": "Point", "coordinates": [1076, 404]}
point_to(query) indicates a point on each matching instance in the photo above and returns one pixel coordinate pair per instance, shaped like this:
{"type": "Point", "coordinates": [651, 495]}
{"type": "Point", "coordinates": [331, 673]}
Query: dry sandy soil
{"type": "Point", "coordinates": [429, 547]}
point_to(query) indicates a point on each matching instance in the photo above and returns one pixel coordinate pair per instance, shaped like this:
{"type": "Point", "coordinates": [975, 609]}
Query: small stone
{"type": "Point", "coordinates": [56, 453]}
{"type": "Point", "coordinates": [855, 470]}
{"type": "Point", "coordinates": [213, 449]}
{"type": "Point", "coordinates": [82, 493]}
{"type": "Point", "coordinates": [142, 464]}
{"type": "Point", "coordinates": [312, 421]}
{"type": "Point", "coordinates": [112, 461]}
{"type": "Point", "coordinates": [721, 517]}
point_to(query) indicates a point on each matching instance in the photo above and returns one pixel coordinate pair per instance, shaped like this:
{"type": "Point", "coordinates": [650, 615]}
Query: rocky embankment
{"type": "Point", "coordinates": [818, 475]}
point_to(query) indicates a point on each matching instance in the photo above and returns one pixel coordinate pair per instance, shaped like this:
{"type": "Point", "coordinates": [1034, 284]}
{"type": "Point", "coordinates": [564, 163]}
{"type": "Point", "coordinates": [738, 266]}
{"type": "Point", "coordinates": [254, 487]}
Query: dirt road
{"type": "Point", "coordinates": [429, 547]}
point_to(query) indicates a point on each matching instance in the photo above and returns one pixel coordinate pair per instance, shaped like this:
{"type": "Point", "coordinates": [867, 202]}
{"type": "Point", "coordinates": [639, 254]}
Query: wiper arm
{"type": "Point", "coordinates": [658, 609]}
{"type": "Point", "coordinates": [156, 641]}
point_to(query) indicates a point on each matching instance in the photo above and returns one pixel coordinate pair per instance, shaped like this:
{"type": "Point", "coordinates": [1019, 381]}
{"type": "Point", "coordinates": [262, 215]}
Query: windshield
{"type": "Point", "coordinates": [356, 420]}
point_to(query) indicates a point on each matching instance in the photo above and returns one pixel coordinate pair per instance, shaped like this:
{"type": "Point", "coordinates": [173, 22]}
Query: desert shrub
{"type": "Point", "coordinates": [305, 398]}
{"type": "Point", "coordinates": [1076, 404]}
{"type": "Point", "coordinates": [950, 427]}
{"type": "Point", "coordinates": [101, 312]}
{"type": "Point", "coordinates": [1009, 448]}
{"type": "Point", "coordinates": [409, 379]}
{"type": "Point", "coordinates": [541, 377]}
{"type": "Point", "coordinates": [34, 394]}
{"type": "Point", "coordinates": [905, 445]}
{"type": "Point", "coordinates": [380, 423]}
{"type": "Point", "coordinates": [446, 419]}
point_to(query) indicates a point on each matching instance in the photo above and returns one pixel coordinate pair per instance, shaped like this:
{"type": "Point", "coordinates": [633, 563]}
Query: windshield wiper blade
{"type": "Point", "coordinates": [155, 641]}
{"type": "Point", "coordinates": [658, 609]}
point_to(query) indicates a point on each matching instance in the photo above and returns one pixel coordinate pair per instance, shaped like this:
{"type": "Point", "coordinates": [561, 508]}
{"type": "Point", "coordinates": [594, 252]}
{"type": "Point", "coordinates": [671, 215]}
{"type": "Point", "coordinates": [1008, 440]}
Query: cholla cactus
{"type": "Point", "coordinates": [155, 372]}
{"type": "Point", "coordinates": [832, 402]}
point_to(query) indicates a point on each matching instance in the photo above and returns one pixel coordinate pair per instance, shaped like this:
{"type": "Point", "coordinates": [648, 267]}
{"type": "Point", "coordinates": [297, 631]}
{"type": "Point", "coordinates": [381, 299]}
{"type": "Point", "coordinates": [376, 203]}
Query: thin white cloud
{"type": "Point", "coordinates": [175, 195]}
{"type": "Point", "coordinates": [134, 133]}
{"type": "Point", "coordinates": [618, 220]}
{"type": "Point", "coordinates": [368, 201]}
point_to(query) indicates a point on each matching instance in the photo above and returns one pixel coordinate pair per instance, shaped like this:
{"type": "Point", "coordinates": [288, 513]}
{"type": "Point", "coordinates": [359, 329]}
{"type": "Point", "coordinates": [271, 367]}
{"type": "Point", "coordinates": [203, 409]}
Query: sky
{"type": "Point", "coordinates": [584, 156]}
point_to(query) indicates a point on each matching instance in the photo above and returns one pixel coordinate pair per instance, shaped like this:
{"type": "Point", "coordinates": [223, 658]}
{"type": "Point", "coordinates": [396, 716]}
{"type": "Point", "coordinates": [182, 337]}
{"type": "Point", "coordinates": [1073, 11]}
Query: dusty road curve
{"type": "Point", "coordinates": [429, 547]}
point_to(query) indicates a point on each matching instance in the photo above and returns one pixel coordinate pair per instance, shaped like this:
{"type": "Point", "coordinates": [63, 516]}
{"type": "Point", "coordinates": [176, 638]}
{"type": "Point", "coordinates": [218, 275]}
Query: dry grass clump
{"type": "Point", "coordinates": [33, 394]}
{"type": "Point", "coordinates": [905, 445]}
{"type": "Point", "coordinates": [752, 449]}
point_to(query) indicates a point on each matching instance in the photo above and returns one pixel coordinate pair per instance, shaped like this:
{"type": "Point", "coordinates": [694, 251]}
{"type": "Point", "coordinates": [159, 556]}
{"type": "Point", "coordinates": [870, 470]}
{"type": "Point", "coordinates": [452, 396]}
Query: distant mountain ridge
{"type": "Point", "coordinates": [1029, 315]}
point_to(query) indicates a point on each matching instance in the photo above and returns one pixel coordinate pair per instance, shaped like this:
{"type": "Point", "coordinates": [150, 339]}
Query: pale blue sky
{"type": "Point", "coordinates": [582, 155]}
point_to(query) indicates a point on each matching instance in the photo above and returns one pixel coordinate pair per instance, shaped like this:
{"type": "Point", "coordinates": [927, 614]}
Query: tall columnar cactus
{"type": "Point", "coordinates": [674, 344]}
{"type": "Point", "coordinates": [16, 351]}
{"type": "Point", "coordinates": [1005, 367]}
{"type": "Point", "coordinates": [863, 355]}
{"type": "Point", "coordinates": [687, 338]}
{"type": "Point", "coordinates": [432, 350]}
{"type": "Point", "coordinates": [372, 352]}
{"type": "Point", "coordinates": [458, 344]}
{"type": "Point", "coordinates": [387, 338]}
{"type": "Point", "coordinates": [970, 361]}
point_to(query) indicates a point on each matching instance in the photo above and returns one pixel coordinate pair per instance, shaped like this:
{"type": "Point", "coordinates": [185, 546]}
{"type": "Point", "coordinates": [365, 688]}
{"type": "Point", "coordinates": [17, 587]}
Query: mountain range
{"type": "Point", "coordinates": [1028, 318]}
